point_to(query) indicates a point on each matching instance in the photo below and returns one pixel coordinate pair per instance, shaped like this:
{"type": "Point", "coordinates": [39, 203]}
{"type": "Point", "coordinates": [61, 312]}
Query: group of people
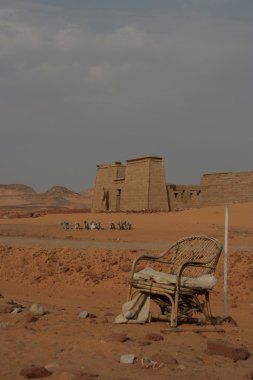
{"type": "Point", "coordinates": [121, 225]}
{"type": "Point", "coordinates": [92, 225]}
{"type": "Point", "coordinates": [95, 225]}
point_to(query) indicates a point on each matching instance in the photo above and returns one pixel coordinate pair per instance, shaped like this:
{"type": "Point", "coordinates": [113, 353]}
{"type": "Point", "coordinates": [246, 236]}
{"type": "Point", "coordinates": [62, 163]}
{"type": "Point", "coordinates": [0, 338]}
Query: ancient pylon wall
{"type": "Point", "coordinates": [157, 196]}
{"type": "Point", "coordinates": [108, 180]}
{"type": "Point", "coordinates": [135, 194]}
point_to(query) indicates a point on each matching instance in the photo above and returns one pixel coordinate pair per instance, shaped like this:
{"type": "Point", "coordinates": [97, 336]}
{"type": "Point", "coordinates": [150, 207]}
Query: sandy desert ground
{"type": "Point", "coordinates": [70, 271]}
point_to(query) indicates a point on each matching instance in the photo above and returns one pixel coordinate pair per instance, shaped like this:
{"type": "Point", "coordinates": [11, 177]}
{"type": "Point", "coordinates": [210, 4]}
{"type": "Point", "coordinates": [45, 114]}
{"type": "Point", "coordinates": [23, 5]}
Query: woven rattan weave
{"type": "Point", "coordinates": [190, 258]}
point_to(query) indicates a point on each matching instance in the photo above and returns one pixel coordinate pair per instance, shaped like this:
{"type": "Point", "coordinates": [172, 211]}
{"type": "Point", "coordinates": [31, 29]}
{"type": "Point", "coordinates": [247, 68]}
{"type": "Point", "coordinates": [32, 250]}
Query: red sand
{"type": "Point", "coordinates": [75, 270]}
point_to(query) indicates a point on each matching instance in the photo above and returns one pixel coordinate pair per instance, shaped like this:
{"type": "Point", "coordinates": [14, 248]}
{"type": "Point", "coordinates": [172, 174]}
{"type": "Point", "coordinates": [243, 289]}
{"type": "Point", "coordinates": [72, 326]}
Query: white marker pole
{"type": "Point", "coordinates": [226, 262]}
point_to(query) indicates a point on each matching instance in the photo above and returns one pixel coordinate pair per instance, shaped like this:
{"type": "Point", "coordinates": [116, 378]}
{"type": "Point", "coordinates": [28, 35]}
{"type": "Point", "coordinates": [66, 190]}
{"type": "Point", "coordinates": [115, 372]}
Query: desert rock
{"type": "Point", "coordinates": [234, 351]}
{"type": "Point", "coordinates": [37, 309]}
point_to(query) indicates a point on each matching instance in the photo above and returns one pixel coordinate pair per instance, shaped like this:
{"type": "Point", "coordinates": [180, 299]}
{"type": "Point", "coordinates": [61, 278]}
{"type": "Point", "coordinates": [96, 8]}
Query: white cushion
{"type": "Point", "coordinates": [206, 281]}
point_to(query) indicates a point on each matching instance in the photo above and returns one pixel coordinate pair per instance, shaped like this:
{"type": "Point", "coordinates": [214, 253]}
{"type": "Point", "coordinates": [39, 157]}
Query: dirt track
{"type": "Point", "coordinates": [70, 243]}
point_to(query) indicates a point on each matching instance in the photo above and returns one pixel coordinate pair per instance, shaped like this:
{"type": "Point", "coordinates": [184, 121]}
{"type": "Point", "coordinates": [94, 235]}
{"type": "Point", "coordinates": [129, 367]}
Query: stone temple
{"type": "Point", "coordinates": [140, 185]}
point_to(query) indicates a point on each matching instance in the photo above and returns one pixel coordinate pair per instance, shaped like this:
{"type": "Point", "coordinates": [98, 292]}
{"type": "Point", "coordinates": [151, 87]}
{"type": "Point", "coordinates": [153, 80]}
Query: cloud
{"type": "Point", "coordinates": [116, 82]}
{"type": "Point", "coordinates": [125, 38]}
{"type": "Point", "coordinates": [68, 38]}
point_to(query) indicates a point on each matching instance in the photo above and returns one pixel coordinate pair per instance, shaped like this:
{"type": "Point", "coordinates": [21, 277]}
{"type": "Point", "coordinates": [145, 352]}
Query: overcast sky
{"type": "Point", "coordinates": [84, 82]}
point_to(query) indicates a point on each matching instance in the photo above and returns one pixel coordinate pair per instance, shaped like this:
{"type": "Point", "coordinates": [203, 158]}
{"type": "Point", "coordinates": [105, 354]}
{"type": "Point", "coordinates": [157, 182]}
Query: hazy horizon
{"type": "Point", "coordinates": [89, 82]}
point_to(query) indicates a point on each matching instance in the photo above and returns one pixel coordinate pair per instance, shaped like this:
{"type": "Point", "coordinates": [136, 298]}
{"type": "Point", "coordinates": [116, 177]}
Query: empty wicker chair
{"type": "Point", "coordinates": [180, 279]}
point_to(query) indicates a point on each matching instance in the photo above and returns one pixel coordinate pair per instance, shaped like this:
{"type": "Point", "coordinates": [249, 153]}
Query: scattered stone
{"type": "Point", "coordinates": [84, 314]}
{"type": "Point", "coordinates": [230, 350]}
{"type": "Point", "coordinates": [166, 359]}
{"type": "Point", "coordinates": [14, 303]}
{"type": "Point", "coordinates": [35, 372]}
{"type": "Point", "coordinates": [16, 310]}
{"type": "Point", "coordinates": [127, 359]}
{"type": "Point", "coordinates": [118, 337]}
{"type": "Point", "coordinates": [154, 336]}
{"type": "Point", "coordinates": [52, 365]}
{"type": "Point", "coordinates": [29, 318]}
{"type": "Point", "coordinates": [37, 309]}
{"type": "Point", "coordinates": [145, 343]}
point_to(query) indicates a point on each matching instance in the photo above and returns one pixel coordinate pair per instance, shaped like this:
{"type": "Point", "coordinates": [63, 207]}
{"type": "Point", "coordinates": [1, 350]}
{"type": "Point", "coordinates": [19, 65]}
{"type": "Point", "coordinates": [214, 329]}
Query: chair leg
{"type": "Point", "coordinates": [129, 293]}
{"type": "Point", "coordinates": [174, 303]}
{"type": "Point", "coordinates": [204, 307]}
{"type": "Point", "coordinates": [170, 299]}
{"type": "Point", "coordinates": [208, 306]}
{"type": "Point", "coordinates": [175, 311]}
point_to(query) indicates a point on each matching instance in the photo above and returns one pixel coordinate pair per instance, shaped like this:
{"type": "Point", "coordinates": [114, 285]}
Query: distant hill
{"type": "Point", "coordinates": [16, 189]}
{"type": "Point", "coordinates": [59, 190]}
{"type": "Point", "coordinates": [18, 195]}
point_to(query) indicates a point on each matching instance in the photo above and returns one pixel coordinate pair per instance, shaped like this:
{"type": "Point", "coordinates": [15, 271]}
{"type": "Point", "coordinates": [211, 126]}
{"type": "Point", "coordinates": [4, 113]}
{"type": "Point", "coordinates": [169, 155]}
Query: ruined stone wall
{"type": "Point", "coordinates": [214, 190]}
{"type": "Point", "coordinates": [135, 194]}
{"type": "Point", "coordinates": [227, 188]}
{"type": "Point", "coordinates": [184, 196]}
{"type": "Point", "coordinates": [157, 196]}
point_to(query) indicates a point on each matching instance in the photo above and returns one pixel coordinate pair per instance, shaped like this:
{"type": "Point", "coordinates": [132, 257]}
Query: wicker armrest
{"type": "Point", "coordinates": [188, 264]}
{"type": "Point", "coordinates": [146, 258]}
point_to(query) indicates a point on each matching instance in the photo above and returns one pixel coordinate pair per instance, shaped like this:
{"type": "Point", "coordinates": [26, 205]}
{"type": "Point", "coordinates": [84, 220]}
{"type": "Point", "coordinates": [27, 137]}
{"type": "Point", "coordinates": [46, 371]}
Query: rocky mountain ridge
{"type": "Point", "coordinates": [19, 195]}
